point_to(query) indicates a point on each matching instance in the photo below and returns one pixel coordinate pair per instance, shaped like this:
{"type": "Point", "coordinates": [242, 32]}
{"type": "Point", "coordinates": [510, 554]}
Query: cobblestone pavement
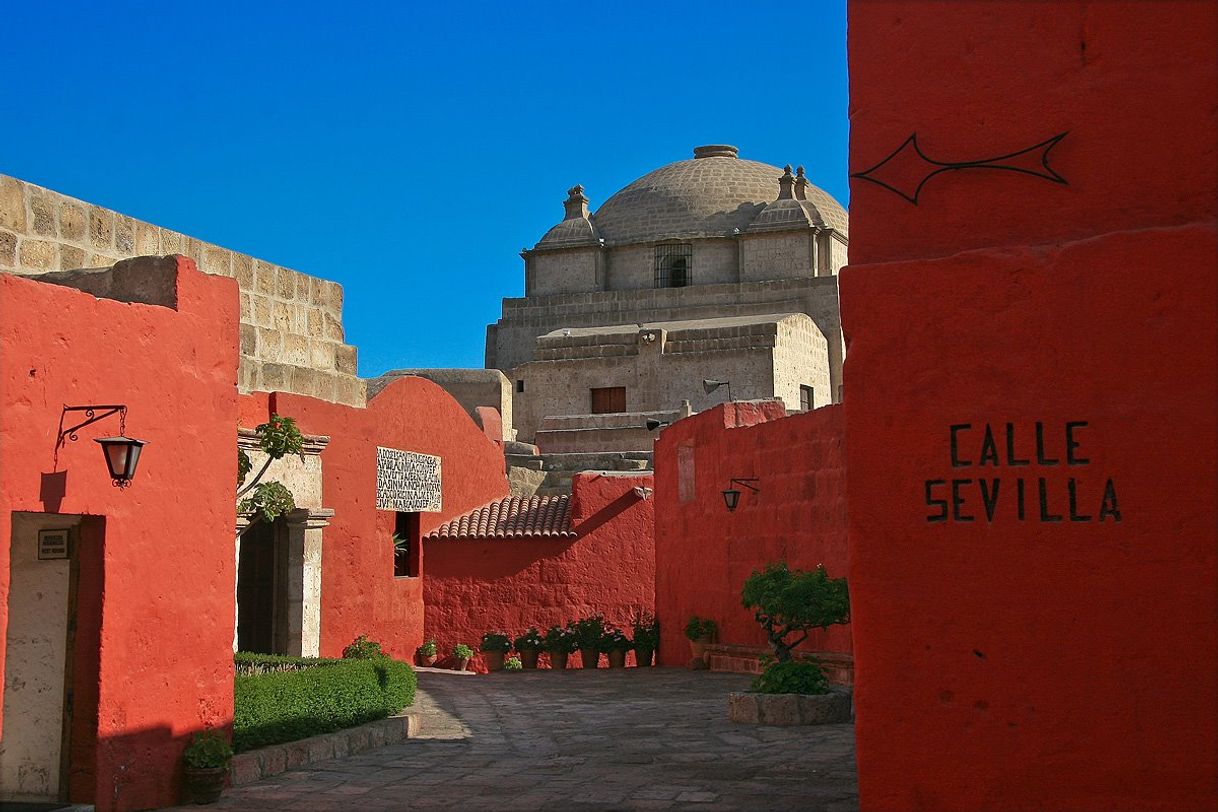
{"type": "Point", "coordinates": [597, 740]}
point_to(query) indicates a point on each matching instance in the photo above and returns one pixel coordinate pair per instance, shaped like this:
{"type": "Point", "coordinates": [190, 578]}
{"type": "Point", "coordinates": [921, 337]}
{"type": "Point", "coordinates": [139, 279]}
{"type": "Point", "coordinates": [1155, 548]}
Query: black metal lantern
{"type": "Point", "coordinates": [731, 496]}
{"type": "Point", "coordinates": [122, 457]}
{"type": "Point", "coordinates": [122, 452]}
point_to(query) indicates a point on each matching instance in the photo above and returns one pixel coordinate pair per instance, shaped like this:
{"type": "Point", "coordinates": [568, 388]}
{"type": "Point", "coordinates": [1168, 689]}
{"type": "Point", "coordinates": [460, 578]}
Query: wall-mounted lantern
{"type": "Point", "coordinates": [731, 496]}
{"type": "Point", "coordinates": [122, 456]}
{"type": "Point", "coordinates": [122, 452]}
{"type": "Point", "coordinates": [710, 385]}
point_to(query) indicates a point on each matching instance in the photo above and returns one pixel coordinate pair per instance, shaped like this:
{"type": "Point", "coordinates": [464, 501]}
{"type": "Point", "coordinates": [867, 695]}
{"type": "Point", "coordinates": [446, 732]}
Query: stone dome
{"type": "Point", "coordinates": [709, 195]}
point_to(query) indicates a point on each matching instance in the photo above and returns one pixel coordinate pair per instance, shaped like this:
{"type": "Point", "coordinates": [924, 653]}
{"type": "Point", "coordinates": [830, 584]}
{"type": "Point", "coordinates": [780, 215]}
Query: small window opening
{"type": "Point", "coordinates": [674, 265]}
{"type": "Point", "coordinates": [407, 546]}
{"type": "Point", "coordinates": [519, 386]}
{"type": "Point", "coordinates": [806, 401]}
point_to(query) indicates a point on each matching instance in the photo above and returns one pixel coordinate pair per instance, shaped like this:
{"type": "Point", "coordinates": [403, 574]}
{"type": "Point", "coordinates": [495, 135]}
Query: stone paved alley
{"type": "Point", "coordinates": [622, 739]}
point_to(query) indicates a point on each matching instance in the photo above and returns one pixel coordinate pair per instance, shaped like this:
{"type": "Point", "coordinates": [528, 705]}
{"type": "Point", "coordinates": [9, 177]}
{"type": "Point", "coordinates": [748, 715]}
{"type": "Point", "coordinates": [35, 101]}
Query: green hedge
{"type": "Point", "coordinates": [283, 706]}
{"type": "Point", "coordinates": [249, 665]}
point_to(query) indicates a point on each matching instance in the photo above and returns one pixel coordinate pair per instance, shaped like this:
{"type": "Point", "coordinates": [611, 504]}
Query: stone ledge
{"type": "Point", "coordinates": [739, 659]}
{"type": "Point", "coordinates": [832, 708]}
{"type": "Point", "coordinates": [279, 758]}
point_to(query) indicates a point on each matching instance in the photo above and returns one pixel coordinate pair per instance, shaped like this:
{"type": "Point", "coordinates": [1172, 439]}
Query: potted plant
{"type": "Point", "coordinates": [427, 653]}
{"type": "Point", "coordinates": [528, 646]}
{"type": "Point", "coordinates": [494, 646]}
{"type": "Point", "coordinates": [462, 654]}
{"type": "Point", "coordinates": [615, 644]}
{"type": "Point", "coordinates": [559, 642]}
{"type": "Point", "coordinates": [513, 664]}
{"type": "Point", "coordinates": [206, 762]}
{"type": "Point", "coordinates": [588, 633]}
{"type": "Point", "coordinates": [701, 633]}
{"type": "Point", "coordinates": [646, 638]}
{"type": "Point", "coordinates": [790, 602]}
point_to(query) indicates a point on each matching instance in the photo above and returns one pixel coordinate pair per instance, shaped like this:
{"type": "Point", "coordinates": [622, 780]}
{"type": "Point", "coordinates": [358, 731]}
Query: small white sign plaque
{"type": "Point", "coordinates": [52, 544]}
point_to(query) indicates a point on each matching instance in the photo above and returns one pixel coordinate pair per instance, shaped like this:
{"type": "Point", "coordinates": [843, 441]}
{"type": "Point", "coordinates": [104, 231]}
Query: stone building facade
{"type": "Point", "coordinates": [710, 268]}
{"type": "Point", "coordinates": [291, 323]}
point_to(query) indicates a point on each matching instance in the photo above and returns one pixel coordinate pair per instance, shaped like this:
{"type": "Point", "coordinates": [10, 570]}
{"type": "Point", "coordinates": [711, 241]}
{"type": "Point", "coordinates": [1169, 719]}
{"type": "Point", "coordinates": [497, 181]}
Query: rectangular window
{"type": "Point", "coordinates": [609, 400]}
{"type": "Point", "coordinates": [674, 265]}
{"type": "Point", "coordinates": [519, 386]}
{"type": "Point", "coordinates": [806, 403]}
{"type": "Point", "coordinates": [407, 546]}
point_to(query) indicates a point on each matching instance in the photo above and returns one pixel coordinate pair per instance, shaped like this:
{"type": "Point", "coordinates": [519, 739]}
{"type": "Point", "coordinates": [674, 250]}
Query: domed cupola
{"type": "Point", "coordinates": [714, 194]}
{"type": "Point", "coordinates": [575, 229]}
{"type": "Point", "coordinates": [792, 209]}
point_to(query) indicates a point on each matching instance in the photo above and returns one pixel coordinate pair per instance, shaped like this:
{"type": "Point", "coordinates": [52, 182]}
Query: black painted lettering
{"type": "Point", "coordinates": [1019, 497]}
{"type": "Point", "coordinates": [1109, 506]}
{"type": "Point", "coordinates": [989, 496]}
{"type": "Point", "coordinates": [1040, 447]}
{"type": "Point", "coordinates": [1011, 458]}
{"type": "Point", "coordinates": [931, 501]}
{"type": "Point", "coordinates": [1072, 444]}
{"type": "Point", "coordinates": [958, 501]}
{"type": "Point", "coordinates": [1045, 515]}
{"type": "Point", "coordinates": [1075, 516]}
{"type": "Point", "coordinates": [989, 449]}
{"type": "Point", "coordinates": [956, 461]}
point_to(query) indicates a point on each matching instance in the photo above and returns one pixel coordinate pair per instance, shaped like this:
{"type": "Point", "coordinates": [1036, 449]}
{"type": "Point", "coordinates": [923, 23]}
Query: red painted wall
{"type": "Point", "coordinates": [1055, 660]}
{"type": "Point", "coordinates": [359, 592]}
{"type": "Point", "coordinates": [704, 553]}
{"type": "Point", "coordinates": [154, 659]}
{"type": "Point", "coordinates": [472, 587]}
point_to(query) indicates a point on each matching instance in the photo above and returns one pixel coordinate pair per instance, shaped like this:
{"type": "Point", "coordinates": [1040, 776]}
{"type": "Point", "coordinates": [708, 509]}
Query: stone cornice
{"type": "Point", "coordinates": [314, 444]}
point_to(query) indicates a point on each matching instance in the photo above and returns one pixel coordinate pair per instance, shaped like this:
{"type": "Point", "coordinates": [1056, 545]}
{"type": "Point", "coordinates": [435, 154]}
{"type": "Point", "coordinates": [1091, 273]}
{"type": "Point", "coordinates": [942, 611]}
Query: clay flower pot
{"type": "Point", "coordinates": [591, 657]}
{"type": "Point", "coordinates": [494, 660]}
{"type": "Point", "coordinates": [463, 663]}
{"type": "Point", "coordinates": [642, 657]}
{"type": "Point", "coordinates": [528, 658]}
{"type": "Point", "coordinates": [427, 661]}
{"type": "Point", "coordinates": [558, 660]}
{"type": "Point", "coordinates": [203, 785]}
{"type": "Point", "coordinates": [697, 647]}
{"type": "Point", "coordinates": [617, 658]}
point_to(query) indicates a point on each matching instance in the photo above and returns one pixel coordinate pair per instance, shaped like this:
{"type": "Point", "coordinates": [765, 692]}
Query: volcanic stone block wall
{"type": "Point", "coordinates": [291, 323]}
{"type": "Point", "coordinates": [1030, 433]}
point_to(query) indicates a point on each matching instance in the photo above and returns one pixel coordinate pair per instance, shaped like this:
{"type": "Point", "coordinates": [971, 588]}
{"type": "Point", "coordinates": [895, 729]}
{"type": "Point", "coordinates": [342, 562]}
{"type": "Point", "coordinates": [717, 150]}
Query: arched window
{"type": "Point", "coordinates": [673, 265]}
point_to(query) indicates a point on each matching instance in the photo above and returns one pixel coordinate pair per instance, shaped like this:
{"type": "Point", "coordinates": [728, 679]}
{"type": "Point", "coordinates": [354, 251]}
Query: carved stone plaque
{"type": "Point", "coordinates": [406, 481]}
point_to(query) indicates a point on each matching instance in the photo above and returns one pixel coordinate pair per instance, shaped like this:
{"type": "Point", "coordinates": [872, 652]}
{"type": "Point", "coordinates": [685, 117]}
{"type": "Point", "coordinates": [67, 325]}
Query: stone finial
{"type": "Point", "coordinates": [801, 184]}
{"type": "Point", "coordinates": [785, 184]}
{"type": "Point", "coordinates": [576, 203]}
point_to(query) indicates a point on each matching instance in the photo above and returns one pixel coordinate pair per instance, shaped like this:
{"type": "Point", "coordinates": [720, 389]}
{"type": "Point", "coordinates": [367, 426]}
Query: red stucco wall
{"type": "Point", "coordinates": [472, 587]}
{"type": "Point", "coordinates": [359, 592]}
{"type": "Point", "coordinates": [1058, 659]}
{"type": "Point", "coordinates": [704, 553]}
{"type": "Point", "coordinates": [154, 651]}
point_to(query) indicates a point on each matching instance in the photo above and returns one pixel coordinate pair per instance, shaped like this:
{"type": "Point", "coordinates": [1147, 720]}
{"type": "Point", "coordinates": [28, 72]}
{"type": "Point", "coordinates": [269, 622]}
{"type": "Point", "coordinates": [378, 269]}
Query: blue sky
{"type": "Point", "coordinates": [407, 151]}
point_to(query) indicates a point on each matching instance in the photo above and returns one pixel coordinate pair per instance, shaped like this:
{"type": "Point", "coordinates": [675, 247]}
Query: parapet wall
{"type": "Point", "coordinates": [291, 323]}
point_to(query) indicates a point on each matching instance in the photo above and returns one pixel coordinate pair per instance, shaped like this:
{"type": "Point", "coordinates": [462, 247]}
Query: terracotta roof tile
{"type": "Point", "coordinates": [511, 517]}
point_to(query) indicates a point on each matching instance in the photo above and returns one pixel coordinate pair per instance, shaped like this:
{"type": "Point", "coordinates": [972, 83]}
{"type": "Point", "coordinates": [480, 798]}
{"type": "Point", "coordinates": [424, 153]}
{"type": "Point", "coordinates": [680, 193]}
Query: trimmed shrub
{"type": "Point", "coordinates": [284, 706]}
{"type": "Point", "coordinates": [249, 665]}
{"type": "Point", "coordinates": [791, 677]}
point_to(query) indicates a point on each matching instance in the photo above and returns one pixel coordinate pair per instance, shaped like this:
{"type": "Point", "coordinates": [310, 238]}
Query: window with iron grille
{"type": "Point", "coordinates": [674, 265]}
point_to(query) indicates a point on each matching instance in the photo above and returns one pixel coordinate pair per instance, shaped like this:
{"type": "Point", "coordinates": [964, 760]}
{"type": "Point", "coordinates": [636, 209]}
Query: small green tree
{"type": "Point", "coordinates": [787, 602]}
{"type": "Point", "coordinates": [277, 438]}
